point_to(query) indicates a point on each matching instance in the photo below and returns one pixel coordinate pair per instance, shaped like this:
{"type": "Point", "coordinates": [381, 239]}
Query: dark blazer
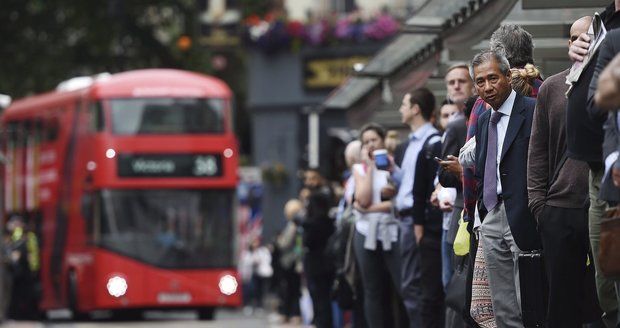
{"type": "Point", "coordinates": [513, 171]}
{"type": "Point", "coordinates": [453, 141]}
{"type": "Point", "coordinates": [607, 51]}
{"type": "Point", "coordinates": [609, 192]}
{"type": "Point", "coordinates": [424, 184]}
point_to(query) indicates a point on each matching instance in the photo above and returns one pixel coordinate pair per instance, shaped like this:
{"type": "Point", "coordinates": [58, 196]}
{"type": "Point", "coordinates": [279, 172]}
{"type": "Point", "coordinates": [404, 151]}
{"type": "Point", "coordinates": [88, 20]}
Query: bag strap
{"type": "Point", "coordinates": [348, 252]}
{"type": "Point", "coordinates": [425, 147]}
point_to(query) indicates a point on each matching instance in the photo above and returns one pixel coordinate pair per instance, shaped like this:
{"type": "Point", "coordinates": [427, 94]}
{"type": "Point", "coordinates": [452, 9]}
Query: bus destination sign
{"type": "Point", "coordinates": [169, 165]}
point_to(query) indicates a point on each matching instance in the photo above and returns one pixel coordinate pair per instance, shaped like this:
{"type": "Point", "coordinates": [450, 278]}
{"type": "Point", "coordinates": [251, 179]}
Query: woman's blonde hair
{"type": "Point", "coordinates": [522, 79]}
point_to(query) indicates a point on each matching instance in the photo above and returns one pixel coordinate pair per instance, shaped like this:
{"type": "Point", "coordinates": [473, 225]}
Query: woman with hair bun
{"type": "Point", "coordinates": [523, 80]}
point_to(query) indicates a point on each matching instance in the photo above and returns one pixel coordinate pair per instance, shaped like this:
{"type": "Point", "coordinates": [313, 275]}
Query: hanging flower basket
{"type": "Point", "coordinates": [271, 34]}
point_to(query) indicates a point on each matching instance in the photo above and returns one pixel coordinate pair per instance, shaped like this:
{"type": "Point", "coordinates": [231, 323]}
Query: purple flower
{"type": "Point", "coordinates": [384, 26]}
{"type": "Point", "coordinates": [317, 32]}
{"type": "Point", "coordinates": [343, 29]}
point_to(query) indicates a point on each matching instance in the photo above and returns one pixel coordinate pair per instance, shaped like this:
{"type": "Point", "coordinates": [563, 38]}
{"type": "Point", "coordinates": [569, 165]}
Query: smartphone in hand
{"type": "Point", "coordinates": [381, 159]}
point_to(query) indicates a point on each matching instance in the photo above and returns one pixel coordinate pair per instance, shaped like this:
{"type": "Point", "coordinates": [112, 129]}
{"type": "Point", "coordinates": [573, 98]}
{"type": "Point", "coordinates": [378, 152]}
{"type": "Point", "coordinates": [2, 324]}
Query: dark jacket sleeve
{"type": "Point", "coordinates": [606, 52]}
{"type": "Point", "coordinates": [479, 171]}
{"type": "Point", "coordinates": [609, 192]}
{"type": "Point", "coordinates": [453, 141]}
{"type": "Point", "coordinates": [538, 157]}
{"type": "Point", "coordinates": [612, 139]}
{"type": "Point", "coordinates": [423, 185]}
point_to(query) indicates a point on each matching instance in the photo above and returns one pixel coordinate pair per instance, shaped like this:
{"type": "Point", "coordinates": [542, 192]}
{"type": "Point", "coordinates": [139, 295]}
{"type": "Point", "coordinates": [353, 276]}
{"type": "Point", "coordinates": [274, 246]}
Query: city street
{"type": "Point", "coordinates": [223, 318]}
{"type": "Point", "coordinates": [301, 164]}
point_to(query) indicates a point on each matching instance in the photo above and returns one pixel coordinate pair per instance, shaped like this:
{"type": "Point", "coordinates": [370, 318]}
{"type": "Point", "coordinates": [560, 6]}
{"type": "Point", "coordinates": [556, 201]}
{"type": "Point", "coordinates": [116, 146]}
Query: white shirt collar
{"type": "Point", "coordinates": [421, 132]}
{"type": "Point", "coordinates": [506, 107]}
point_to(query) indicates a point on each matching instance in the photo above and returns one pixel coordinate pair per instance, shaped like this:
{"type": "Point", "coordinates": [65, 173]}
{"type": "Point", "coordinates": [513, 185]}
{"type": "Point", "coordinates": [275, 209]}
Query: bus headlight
{"type": "Point", "coordinates": [117, 286]}
{"type": "Point", "coordinates": [228, 285]}
{"type": "Point", "coordinates": [110, 153]}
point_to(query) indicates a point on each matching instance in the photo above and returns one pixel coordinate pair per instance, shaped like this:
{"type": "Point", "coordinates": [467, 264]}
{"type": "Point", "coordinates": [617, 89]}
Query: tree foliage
{"type": "Point", "coordinates": [46, 41]}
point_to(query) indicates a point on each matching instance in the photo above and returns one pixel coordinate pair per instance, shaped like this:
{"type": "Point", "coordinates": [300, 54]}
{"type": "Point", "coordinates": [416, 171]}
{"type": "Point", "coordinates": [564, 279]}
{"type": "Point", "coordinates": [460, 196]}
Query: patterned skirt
{"type": "Point", "coordinates": [481, 304]}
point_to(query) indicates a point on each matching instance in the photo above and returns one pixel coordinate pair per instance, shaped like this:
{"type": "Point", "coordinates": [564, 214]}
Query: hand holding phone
{"type": "Point", "coordinates": [381, 159]}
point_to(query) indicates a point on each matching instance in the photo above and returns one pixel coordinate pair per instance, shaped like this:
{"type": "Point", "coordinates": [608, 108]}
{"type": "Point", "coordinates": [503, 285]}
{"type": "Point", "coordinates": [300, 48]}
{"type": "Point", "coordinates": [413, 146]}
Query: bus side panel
{"type": "Point", "coordinates": [55, 272]}
{"type": "Point", "coordinates": [80, 258]}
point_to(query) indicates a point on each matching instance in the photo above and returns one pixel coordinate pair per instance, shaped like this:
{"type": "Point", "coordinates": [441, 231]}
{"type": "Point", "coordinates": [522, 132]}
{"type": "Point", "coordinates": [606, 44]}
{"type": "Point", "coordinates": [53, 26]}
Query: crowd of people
{"type": "Point", "coordinates": [517, 173]}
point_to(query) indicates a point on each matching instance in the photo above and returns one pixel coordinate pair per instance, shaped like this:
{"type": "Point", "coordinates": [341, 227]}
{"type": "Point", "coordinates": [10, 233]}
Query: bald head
{"type": "Point", "coordinates": [579, 26]}
{"type": "Point", "coordinates": [292, 207]}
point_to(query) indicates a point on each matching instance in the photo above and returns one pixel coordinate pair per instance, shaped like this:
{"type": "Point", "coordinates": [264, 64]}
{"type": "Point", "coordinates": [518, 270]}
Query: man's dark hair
{"type": "Point", "coordinates": [424, 98]}
{"type": "Point", "coordinates": [469, 105]}
{"type": "Point", "coordinates": [446, 101]}
{"type": "Point", "coordinates": [373, 127]}
{"type": "Point", "coordinates": [516, 43]}
{"type": "Point", "coordinates": [486, 56]}
{"type": "Point", "coordinates": [313, 169]}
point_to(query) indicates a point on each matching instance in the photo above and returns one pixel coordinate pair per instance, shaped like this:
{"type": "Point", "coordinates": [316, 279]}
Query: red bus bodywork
{"type": "Point", "coordinates": [63, 173]}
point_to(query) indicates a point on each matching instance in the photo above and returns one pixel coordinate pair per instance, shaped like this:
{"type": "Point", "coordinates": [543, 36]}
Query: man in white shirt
{"type": "Point", "coordinates": [416, 110]}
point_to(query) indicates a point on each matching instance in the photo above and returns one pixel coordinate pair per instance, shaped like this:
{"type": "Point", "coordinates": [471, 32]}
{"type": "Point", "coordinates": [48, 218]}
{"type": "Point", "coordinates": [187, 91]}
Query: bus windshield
{"type": "Point", "coordinates": [167, 116]}
{"type": "Point", "coordinates": [168, 228]}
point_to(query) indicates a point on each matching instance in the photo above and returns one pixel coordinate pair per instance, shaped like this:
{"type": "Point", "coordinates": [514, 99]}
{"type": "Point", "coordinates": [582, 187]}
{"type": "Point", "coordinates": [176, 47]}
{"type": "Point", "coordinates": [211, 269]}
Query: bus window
{"type": "Point", "coordinates": [38, 128]}
{"type": "Point", "coordinates": [167, 116]}
{"type": "Point", "coordinates": [51, 130]}
{"type": "Point", "coordinates": [12, 131]}
{"type": "Point", "coordinates": [95, 117]}
{"type": "Point", "coordinates": [178, 229]}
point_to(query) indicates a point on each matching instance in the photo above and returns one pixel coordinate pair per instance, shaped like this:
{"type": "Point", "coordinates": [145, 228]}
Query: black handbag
{"type": "Point", "coordinates": [343, 291]}
{"type": "Point", "coordinates": [534, 289]}
{"type": "Point", "coordinates": [456, 289]}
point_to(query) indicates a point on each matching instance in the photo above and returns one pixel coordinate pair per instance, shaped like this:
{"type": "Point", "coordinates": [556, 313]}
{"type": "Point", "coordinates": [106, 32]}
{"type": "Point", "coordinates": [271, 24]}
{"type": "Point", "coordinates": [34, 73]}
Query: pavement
{"type": "Point", "coordinates": [223, 318]}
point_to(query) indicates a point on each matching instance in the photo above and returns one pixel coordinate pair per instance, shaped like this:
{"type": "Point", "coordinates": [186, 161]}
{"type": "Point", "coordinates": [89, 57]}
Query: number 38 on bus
{"type": "Point", "coordinates": [128, 181]}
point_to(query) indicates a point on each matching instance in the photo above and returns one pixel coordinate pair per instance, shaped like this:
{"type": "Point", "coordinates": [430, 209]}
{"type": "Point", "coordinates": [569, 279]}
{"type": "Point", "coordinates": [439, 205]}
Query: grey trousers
{"type": "Point", "coordinates": [502, 254]}
{"type": "Point", "coordinates": [607, 296]}
{"type": "Point", "coordinates": [410, 273]}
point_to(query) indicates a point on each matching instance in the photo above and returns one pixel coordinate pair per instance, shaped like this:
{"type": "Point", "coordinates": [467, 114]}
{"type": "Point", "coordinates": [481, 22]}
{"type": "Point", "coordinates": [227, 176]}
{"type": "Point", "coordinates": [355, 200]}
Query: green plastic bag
{"type": "Point", "coordinates": [461, 242]}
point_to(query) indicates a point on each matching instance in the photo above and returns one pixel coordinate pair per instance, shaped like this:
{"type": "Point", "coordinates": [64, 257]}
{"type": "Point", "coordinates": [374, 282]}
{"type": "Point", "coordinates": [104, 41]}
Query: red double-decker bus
{"type": "Point", "coordinates": [129, 182]}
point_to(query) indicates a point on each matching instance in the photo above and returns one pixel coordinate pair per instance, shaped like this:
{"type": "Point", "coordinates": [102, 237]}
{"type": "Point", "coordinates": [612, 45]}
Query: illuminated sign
{"type": "Point", "coordinates": [169, 165]}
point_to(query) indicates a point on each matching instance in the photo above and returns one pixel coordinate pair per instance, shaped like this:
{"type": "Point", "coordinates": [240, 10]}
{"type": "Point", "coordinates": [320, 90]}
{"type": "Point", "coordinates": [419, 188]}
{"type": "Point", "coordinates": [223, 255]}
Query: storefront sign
{"type": "Point", "coordinates": [327, 73]}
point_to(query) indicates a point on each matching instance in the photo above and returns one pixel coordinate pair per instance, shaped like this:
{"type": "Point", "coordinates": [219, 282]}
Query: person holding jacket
{"type": "Point", "coordinates": [375, 242]}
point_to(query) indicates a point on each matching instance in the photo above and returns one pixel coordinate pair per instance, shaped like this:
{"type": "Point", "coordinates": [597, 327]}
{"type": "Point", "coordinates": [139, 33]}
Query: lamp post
{"type": "Point", "coordinates": [314, 126]}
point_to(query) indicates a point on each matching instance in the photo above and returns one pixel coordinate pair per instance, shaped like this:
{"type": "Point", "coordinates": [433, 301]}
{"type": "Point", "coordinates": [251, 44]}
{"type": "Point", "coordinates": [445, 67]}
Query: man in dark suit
{"type": "Point", "coordinates": [507, 227]}
{"type": "Point", "coordinates": [459, 87]}
{"type": "Point", "coordinates": [608, 177]}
